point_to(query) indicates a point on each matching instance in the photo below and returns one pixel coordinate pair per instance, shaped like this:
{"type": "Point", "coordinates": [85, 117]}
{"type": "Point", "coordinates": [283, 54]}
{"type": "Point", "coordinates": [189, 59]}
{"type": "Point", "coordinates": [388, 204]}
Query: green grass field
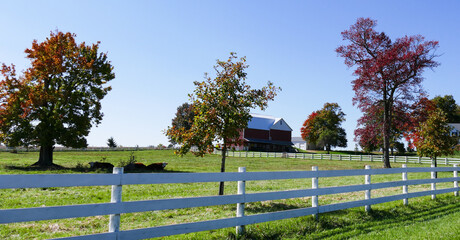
{"type": "Point", "coordinates": [422, 219]}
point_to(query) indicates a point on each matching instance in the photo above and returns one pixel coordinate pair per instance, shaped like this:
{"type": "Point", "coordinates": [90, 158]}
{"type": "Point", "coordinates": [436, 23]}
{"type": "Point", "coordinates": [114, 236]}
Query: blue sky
{"type": "Point", "coordinates": [158, 48]}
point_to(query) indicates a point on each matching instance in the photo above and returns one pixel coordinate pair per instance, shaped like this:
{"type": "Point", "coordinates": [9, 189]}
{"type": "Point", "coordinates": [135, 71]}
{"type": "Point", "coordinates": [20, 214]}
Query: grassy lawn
{"type": "Point", "coordinates": [422, 219]}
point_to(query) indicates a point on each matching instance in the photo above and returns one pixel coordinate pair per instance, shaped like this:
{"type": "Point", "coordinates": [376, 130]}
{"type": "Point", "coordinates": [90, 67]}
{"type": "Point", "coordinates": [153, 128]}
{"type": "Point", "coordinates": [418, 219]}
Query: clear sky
{"type": "Point", "coordinates": [158, 48]}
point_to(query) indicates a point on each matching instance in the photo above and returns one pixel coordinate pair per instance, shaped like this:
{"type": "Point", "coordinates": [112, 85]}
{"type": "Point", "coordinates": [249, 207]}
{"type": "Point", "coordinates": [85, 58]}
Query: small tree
{"type": "Point", "coordinates": [58, 99]}
{"type": "Point", "coordinates": [433, 137]}
{"type": "Point", "coordinates": [111, 143]}
{"type": "Point", "coordinates": [323, 127]}
{"type": "Point", "coordinates": [221, 107]}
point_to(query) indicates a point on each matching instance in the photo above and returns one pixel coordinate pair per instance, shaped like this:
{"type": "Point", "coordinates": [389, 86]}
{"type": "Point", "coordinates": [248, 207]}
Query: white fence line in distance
{"type": "Point", "coordinates": [341, 157]}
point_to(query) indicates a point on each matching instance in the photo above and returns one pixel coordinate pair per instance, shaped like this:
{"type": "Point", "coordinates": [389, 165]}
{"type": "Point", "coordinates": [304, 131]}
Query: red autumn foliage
{"type": "Point", "coordinates": [389, 73]}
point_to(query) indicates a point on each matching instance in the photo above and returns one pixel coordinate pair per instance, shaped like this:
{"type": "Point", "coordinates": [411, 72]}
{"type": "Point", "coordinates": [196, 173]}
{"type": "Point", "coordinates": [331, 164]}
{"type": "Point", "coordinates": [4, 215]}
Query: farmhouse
{"type": "Point", "coordinates": [266, 133]}
{"type": "Point", "coordinates": [455, 130]}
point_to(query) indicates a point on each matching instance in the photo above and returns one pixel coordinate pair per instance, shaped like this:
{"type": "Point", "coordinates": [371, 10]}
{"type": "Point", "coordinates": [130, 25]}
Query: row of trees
{"type": "Point", "coordinates": [388, 91]}
{"type": "Point", "coordinates": [426, 128]}
{"type": "Point", "coordinates": [57, 99]}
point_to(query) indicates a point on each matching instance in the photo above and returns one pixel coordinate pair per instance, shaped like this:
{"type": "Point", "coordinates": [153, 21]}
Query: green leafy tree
{"type": "Point", "coordinates": [111, 143]}
{"type": "Point", "coordinates": [183, 119]}
{"type": "Point", "coordinates": [448, 105]}
{"type": "Point", "coordinates": [58, 99]}
{"type": "Point", "coordinates": [433, 137]}
{"type": "Point", "coordinates": [221, 107]}
{"type": "Point", "coordinates": [323, 127]}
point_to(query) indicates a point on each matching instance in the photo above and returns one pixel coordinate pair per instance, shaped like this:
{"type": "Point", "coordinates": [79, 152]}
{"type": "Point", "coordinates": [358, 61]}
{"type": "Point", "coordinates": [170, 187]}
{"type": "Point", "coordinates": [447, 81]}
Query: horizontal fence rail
{"type": "Point", "coordinates": [341, 157]}
{"type": "Point", "coordinates": [117, 207]}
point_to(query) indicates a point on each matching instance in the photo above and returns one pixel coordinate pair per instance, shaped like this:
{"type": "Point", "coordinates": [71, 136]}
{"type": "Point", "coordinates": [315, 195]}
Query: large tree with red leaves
{"type": "Point", "coordinates": [389, 73]}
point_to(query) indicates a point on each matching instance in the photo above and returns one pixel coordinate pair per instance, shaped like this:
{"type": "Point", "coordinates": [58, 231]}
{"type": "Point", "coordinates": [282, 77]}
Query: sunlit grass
{"type": "Point", "coordinates": [384, 222]}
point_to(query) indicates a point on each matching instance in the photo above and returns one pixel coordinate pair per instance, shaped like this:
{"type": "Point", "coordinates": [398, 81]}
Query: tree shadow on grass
{"type": "Point", "coordinates": [259, 207]}
{"type": "Point", "coordinates": [80, 169]}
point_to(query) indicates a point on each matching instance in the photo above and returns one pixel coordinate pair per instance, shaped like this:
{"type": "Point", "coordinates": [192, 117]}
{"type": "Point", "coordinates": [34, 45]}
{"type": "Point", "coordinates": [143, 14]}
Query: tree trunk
{"type": "Point", "coordinates": [386, 135]}
{"type": "Point", "coordinates": [435, 165]}
{"type": "Point", "coordinates": [222, 167]}
{"type": "Point", "coordinates": [46, 156]}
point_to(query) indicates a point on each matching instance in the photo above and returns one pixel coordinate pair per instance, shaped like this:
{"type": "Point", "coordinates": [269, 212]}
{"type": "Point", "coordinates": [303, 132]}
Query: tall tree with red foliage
{"type": "Point", "coordinates": [389, 73]}
{"type": "Point", "coordinates": [57, 99]}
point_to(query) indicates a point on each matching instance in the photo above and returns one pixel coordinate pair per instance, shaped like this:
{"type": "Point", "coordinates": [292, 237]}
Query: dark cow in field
{"type": "Point", "coordinates": [101, 165]}
{"type": "Point", "coordinates": [133, 166]}
{"type": "Point", "coordinates": [157, 166]}
{"type": "Point", "coordinates": [141, 166]}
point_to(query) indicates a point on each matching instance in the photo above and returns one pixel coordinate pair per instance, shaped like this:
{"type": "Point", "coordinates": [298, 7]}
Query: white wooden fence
{"type": "Point", "coordinates": [340, 157]}
{"type": "Point", "coordinates": [117, 207]}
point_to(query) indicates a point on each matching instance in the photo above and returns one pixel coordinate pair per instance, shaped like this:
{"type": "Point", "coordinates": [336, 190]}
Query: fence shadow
{"type": "Point", "coordinates": [352, 223]}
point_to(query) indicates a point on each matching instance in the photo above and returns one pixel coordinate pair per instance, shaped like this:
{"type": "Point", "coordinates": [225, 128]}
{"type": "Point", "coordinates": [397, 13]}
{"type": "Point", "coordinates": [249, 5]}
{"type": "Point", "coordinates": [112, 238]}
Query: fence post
{"type": "Point", "coordinates": [114, 224]}
{"type": "Point", "coordinates": [314, 199]}
{"type": "Point", "coordinates": [456, 182]}
{"type": "Point", "coordinates": [303, 155]}
{"type": "Point", "coordinates": [360, 158]}
{"type": "Point", "coordinates": [312, 156]}
{"type": "Point", "coordinates": [404, 178]}
{"type": "Point", "coordinates": [394, 159]}
{"type": "Point", "coordinates": [419, 159]}
{"type": "Point", "coordinates": [406, 159]}
{"type": "Point", "coordinates": [349, 157]}
{"type": "Point", "coordinates": [367, 193]}
{"type": "Point", "coordinates": [340, 157]}
{"type": "Point", "coordinates": [370, 156]}
{"type": "Point", "coordinates": [433, 185]}
{"type": "Point", "coordinates": [446, 161]}
{"type": "Point", "coordinates": [267, 154]}
{"type": "Point", "coordinates": [240, 206]}
{"type": "Point", "coordinates": [321, 156]}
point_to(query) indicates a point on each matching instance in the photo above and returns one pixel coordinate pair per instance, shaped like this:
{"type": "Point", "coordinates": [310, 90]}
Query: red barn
{"type": "Point", "coordinates": [266, 133]}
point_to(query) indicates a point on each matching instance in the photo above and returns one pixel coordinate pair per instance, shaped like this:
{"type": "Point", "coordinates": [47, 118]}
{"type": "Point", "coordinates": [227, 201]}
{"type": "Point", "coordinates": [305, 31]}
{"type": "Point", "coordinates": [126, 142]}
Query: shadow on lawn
{"type": "Point", "coordinates": [346, 224]}
{"type": "Point", "coordinates": [81, 169]}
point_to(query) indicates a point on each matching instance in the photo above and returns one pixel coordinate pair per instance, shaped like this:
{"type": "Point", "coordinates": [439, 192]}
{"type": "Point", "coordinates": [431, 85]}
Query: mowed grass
{"type": "Point", "coordinates": [422, 219]}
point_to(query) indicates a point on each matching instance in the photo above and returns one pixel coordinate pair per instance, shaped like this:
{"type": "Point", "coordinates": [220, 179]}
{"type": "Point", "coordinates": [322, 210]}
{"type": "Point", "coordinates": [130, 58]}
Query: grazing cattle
{"type": "Point", "coordinates": [102, 165]}
{"type": "Point", "coordinates": [157, 166]}
{"type": "Point", "coordinates": [133, 166]}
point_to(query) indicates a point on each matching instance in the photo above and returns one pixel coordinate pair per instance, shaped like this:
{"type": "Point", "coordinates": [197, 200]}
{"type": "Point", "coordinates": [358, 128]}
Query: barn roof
{"type": "Point", "coordinates": [456, 126]}
{"type": "Point", "coordinates": [264, 122]}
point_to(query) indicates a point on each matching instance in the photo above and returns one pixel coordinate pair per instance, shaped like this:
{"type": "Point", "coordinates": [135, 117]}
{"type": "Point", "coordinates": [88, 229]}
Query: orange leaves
{"type": "Point", "coordinates": [222, 106]}
{"type": "Point", "coordinates": [62, 88]}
